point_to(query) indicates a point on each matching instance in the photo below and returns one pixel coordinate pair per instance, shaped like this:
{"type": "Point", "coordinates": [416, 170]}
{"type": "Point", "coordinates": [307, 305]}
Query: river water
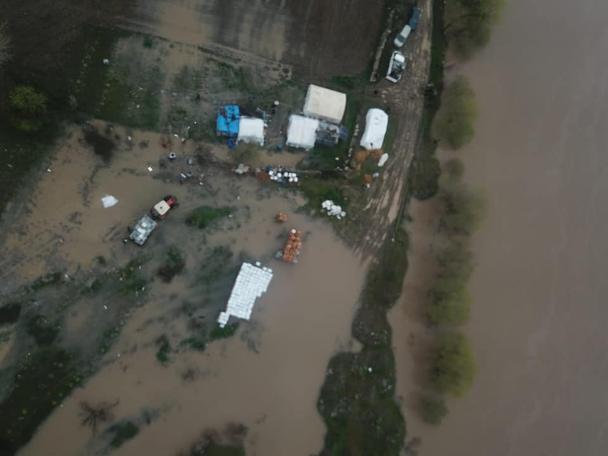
{"type": "Point", "coordinates": [538, 325]}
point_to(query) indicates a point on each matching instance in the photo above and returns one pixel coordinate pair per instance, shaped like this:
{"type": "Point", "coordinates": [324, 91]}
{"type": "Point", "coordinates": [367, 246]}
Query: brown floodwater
{"type": "Point", "coordinates": [538, 324]}
{"type": "Point", "coordinates": [267, 376]}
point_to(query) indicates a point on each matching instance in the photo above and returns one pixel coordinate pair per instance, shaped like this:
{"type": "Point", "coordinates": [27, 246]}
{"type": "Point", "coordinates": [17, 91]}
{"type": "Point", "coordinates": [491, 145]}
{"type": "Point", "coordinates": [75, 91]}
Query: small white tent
{"type": "Point", "coordinates": [376, 124]}
{"type": "Point", "coordinates": [302, 132]}
{"type": "Point", "coordinates": [251, 130]}
{"type": "Point", "coordinates": [325, 104]}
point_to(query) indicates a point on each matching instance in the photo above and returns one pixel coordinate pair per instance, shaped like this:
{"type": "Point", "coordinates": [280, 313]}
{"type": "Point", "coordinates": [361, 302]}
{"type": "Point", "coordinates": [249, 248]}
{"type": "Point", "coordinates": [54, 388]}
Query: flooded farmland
{"type": "Point", "coordinates": [538, 319]}
{"type": "Point", "coordinates": [266, 377]}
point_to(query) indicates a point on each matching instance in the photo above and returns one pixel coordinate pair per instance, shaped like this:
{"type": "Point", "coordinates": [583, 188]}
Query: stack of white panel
{"type": "Point", "coordinates": [251, 283]}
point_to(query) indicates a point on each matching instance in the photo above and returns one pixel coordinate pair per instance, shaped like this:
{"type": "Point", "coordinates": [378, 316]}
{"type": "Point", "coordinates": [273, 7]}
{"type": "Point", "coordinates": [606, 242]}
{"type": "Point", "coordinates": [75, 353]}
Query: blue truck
{"type": "Point", "coordinates": [415, 18]}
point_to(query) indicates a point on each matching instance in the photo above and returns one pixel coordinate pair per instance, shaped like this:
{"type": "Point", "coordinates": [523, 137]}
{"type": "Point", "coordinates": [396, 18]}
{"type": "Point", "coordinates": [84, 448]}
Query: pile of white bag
{"type": "Point", "coordinates": [282, 176]}
{"type": "Point", "coordinates": [332, 209]}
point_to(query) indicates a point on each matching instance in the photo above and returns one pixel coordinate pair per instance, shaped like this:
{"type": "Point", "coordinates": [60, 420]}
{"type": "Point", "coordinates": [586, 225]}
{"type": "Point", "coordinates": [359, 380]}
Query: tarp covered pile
{"type": "Point", "coordinates": [325, 104]}
{"type": "Point", "coordinates": [251, 130]}
{"type": "Point", "coordinates": [251, 283]}
{"type": "Point", "coordinates": [302, 132]}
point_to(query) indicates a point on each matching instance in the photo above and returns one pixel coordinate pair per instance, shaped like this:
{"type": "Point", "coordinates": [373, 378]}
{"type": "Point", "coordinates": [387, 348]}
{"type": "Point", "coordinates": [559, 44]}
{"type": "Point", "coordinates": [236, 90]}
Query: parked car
{"type": "Point", "coordinates": [396, 67]}
{"type": "Point", "coordinates": [415, 17]}
{"type": "Point", "coordinates": [160, 209]}
{"type": "Point", "coordinates": [401, 37]}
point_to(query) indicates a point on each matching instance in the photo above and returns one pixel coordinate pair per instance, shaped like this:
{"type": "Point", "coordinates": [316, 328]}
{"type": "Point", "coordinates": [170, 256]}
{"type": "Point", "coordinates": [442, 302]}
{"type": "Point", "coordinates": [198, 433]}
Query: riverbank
{"type": "Point", "coordinates": [537, 322]}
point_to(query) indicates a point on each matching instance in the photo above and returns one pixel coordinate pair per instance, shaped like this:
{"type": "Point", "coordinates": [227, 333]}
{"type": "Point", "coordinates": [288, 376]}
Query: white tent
{"type": "Point", "coordinates": [325, 104]}
{"type": "Point", "coordinates": [302, 132]}
{"type": "Point", "coordinates": [251, 130]}
{"type": "Point", "coordinates": [376, 124]}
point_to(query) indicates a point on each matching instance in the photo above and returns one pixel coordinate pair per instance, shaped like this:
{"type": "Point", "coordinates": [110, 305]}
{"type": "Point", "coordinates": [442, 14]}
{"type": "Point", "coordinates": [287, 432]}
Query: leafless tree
{"type": "Point", "coordinates": [93, 415]}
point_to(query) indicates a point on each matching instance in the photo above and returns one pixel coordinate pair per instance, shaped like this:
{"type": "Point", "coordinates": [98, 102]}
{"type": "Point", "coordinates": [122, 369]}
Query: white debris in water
{"type": "Point", "coordinates": [106, 61]}
{"type": "Point", "coordinates": [109, 201]}
{"type": "Point", "coordinates": [251, 283]}
{"type": "Point", "coordinates": [150, 169]}
{"type": "Point", "coordinates": [332, 209]}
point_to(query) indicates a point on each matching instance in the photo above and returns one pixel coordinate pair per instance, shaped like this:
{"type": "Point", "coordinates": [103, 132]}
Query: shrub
{"type": "Point", "coordinates": [455, 260]}
{"type": "Point", "coordinates": [225, 332]}
{"type": "Point", "coordinates": [453, 123]}
{"type": "Point", "coordinates": [452, 365]}
{"type": "Point", "coordinates": [468, 23]}
{"type": "Point", "coordinates": [9, 313]}
{"type": "Point", "coordinates": [454, 169]}
{"type": "Point", "coordinates": [463, 209]}
{"type": "Point", "coordinates": [164, 348]}
{"type": "Point", "coordinates": [102, 146]}
{"type": "Point", "coordinates": [28, 107]}
{"type": "Point", "coordinates": [174, 264]}
{"type": "Point", "coordinates": [122, 432]}
{"type": "Point", "coordinates": [42, 330]}
{"type": "Point", "coordinates": [202, 217]}
{"type": "Point", "coordinates": [450, 302]}
{"type": "Point", "coordinates": [424, 176]}
{"type": "Point", "coordinates": [432, 408]}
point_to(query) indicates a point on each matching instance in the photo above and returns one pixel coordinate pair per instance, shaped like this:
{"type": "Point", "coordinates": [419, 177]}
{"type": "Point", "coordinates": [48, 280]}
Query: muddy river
{"type": "Point", "coordinates": [538, 325]}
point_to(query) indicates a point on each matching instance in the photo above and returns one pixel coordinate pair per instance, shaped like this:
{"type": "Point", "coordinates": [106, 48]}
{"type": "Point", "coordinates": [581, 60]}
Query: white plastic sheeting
{"type": "Point", "coordinates": [376, 124]}
{"type": "Point", "coordinates": [251, 283]}
{"type": "Point", "coordinates": [108, 201]}
{"type": "Point", "coordinates": [325, 104]}
{"type": "Point", "coordinates": [251, 130]}
{"type": "Point", "coordinates": [382, 160]}
{"type": "Point", "coordinates": [302, 132]}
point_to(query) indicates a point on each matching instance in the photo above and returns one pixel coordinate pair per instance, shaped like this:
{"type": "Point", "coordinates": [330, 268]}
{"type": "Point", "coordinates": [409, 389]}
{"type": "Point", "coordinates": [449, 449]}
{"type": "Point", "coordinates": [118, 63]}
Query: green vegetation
{"type": "Point", "coordinates": [246, 154]}
{"type": "Point", "coordinates": [42, 330]}
{"type": "Point", "coordinates": [463, 209]}
{"type": "Point", "coordinates": [164, 349]}
{"type": "Point", "coordinates": [432, 408]}
{"type": "Point", "coordinates": [317, 190]}
{"type": "Point", "coordinates": [204, 216]}
{"type": "Point", "coordinates": [28, 108]}
{"type": "Point", "coordinates": [449, 302]}
{"type": "Point", "coordinates": [9, 313]}
{"type": "Point", "coordinates": [225, 332]}
{"type": "Point", "coordinates": [215, 449]}
{"type": "Point", "coordinates": [42, 381]}
{"type": "Point", "coordinates": [452, 365]}
{"type": "Point", "coordinates": [102, 145]}
{"type": "Point", "coordinates": [453, 124]}
{"type": "Point", "coordinates": [130, 277]}
{"type": "Point", "coordinates": [215, 265]}
{"type": "Point", "coordinates": [357, 399]}
{"type": "Point", "coordinates": [424, 175]}
{"type": "Point", "coordinates": [468, 23]}
{"type": "Point", "coordinates": [52, 278]}
{"type": "Point", "coordinates": [122, 432]}
{"type": "Point", "coordinates": [174, 264]}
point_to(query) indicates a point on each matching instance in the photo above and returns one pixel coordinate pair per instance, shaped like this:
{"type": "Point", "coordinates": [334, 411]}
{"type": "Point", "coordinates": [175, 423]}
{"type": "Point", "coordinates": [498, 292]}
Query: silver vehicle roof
{"type": "Point", "coordinates": [142, 229]}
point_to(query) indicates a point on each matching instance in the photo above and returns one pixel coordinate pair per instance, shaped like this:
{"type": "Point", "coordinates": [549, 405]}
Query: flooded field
{"type": "Point", "coordinates": [266, 377]}
{"type": "Point", "coordinates": [538, 319]}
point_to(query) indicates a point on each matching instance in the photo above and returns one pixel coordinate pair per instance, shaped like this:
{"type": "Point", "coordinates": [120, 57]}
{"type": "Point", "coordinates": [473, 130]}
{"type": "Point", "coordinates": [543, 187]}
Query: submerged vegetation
{"type": "Point", "coordinates": [357, 400]}
{"type": "Point", "coordinates": [453, 124]}
{"type": "Point", "coordinates": [468, 23]}
{"type": "Point", "coordinates": [204, 216]}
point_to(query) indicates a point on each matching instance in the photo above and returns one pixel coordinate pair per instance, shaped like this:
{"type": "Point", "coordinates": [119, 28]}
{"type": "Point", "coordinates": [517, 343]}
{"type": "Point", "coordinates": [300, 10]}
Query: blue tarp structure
{"type": "Point", "coordinates": [228, 121]}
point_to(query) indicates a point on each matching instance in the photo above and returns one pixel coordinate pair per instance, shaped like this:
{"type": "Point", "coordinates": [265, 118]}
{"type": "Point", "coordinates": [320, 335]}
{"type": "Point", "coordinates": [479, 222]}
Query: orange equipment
{"type": "Point", "coordinates": [291, 251]}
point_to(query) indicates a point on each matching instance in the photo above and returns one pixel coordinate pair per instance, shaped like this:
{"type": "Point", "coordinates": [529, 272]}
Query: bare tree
{"type": "Point", "coordinates": [93, 415]}
{"type": "Point", "coordinates": [5, 43]}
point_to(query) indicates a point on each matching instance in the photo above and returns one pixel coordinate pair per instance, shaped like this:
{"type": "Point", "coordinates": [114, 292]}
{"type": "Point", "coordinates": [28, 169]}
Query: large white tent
{"type": "Point", "coordinates": [251, 130]}
{"type": "Point", "coordinates": [376, 124]}
{"type": "Point", "coordinates": [302, 132]}
{"type": "Point", "coordinates": [325, 104]}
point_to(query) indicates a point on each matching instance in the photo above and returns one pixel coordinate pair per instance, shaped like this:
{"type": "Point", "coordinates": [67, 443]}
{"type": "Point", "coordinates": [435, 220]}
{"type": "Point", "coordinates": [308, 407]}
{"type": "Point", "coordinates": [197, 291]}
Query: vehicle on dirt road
{"type": "Point", "coordinates": [144, 227]}
{"type": "Point", "coordinates": [401, 38]}
{"type": "Point", "coordinates": [415, 18]}
{"type": "Point", "coordinates": [396, 67]}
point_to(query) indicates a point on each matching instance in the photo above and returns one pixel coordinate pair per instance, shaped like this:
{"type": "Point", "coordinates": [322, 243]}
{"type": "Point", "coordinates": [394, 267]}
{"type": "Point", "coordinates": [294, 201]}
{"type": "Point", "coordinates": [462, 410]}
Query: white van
{"type": "Point", "coordinates": [402, 36]}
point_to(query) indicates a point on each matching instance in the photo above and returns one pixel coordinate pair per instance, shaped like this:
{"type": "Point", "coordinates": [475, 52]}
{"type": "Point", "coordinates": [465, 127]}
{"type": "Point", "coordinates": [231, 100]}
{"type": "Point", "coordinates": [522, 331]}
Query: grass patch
{"type": "Point", "coordinates": [173, 265]}
{"type": "Point", "coordinates": [42, 381]}
{"type": "Point", "coordinates": [318, 190]}
{"type": "Point", "coordinates": [121, 433]}
{"type": "Point", "coordinates": [204, 216]}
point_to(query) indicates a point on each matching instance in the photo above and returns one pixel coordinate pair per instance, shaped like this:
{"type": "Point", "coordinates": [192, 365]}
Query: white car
{"type": "Point", "coordinates": [401, 38]}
